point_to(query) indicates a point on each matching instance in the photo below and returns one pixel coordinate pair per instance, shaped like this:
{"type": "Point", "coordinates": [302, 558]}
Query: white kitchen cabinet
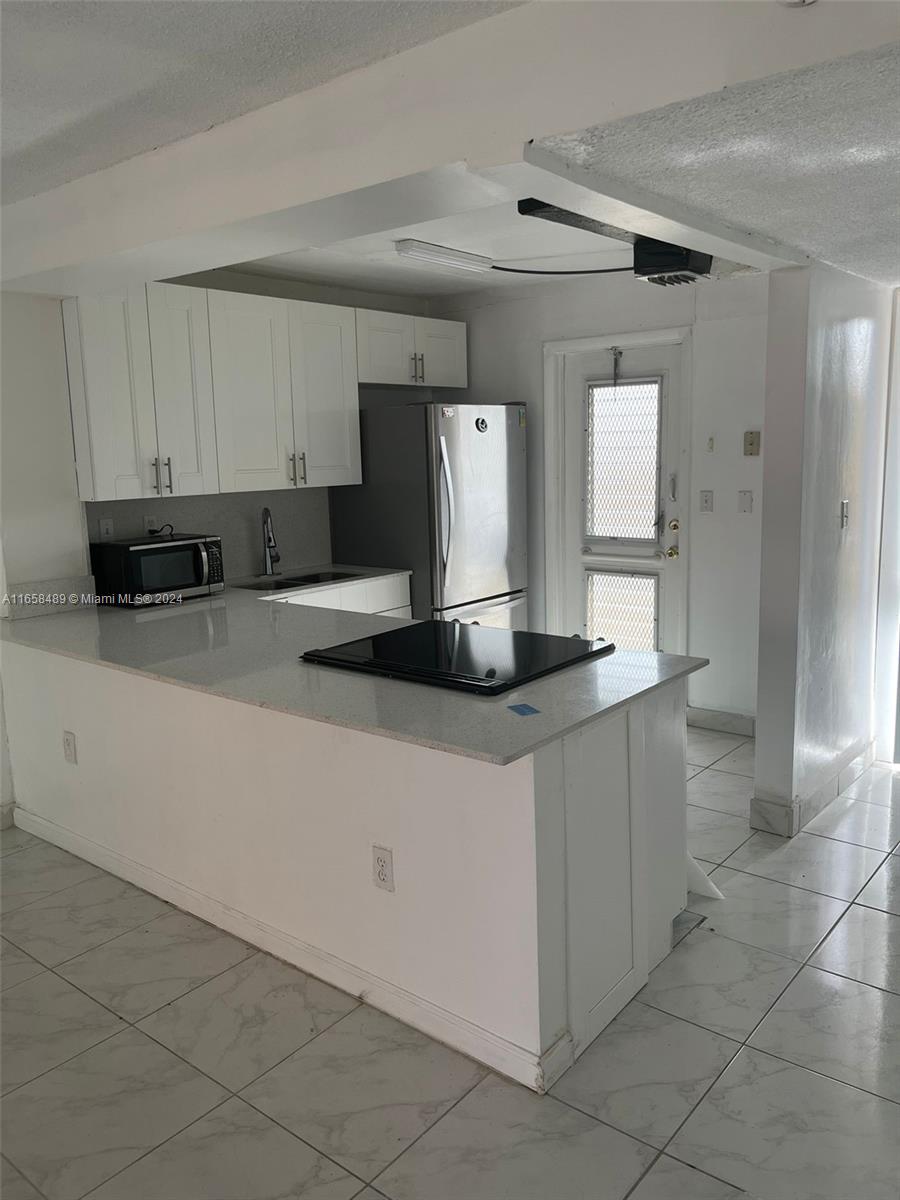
{"type": "Point", "coordinates": [183, 389]}
{"type": "Point", "coordinates": [386, 347]}
{"type": "Point", "coordinates": [325, 393]}
{"type": "Point", "coordinates": [395, 348]}
{"type": "Point", "coordinates": [251, 369]}
{"type": "Point", "coordinates": [441, 349]}
{"type": "Point", "coordinates": [386, 594]}
{"type": "Point", "coordinates": [111, 396]}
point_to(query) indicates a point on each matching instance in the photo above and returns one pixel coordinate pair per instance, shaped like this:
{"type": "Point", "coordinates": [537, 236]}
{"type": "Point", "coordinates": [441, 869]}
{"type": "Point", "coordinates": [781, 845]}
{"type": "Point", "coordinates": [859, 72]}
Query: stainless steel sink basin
{"type": "Point", "coordinates": [283, 583]}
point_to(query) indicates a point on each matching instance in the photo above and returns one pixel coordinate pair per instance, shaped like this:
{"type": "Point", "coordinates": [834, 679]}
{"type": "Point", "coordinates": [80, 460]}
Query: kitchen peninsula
{"type": "Point", "coordinates": [538, 859]}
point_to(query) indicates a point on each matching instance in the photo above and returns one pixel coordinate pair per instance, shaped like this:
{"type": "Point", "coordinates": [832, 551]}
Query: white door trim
{"type": "Point", "coordinates": [555, 354]}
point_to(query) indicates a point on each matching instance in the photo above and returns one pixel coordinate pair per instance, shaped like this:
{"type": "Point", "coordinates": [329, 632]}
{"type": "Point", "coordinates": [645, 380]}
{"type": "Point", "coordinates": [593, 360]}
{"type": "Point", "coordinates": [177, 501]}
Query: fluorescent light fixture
{"type": "Point", "coordinates": [442, 256]}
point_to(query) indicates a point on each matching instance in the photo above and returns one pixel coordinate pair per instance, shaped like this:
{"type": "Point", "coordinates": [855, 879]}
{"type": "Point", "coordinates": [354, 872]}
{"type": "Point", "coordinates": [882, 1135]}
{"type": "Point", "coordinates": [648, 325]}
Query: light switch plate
{"type": "Point", "coordinates": [745, 502]}
{"type": "Point", "coordinates": [706, 502]}
{"type": "Point", "coordinates": [107, 530]}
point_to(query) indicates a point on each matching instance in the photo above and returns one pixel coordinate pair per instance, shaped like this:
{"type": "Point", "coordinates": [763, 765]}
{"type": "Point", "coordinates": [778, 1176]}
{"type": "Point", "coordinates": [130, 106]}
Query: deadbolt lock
{"type": "Point", "coordinates": [674, 524]}
{"type": "Point", "coordinates": [672, 552]}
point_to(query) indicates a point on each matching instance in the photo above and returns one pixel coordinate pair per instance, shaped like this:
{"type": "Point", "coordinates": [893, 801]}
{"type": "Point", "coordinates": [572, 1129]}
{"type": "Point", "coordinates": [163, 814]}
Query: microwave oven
{"type": "Point", "coordinates": [157, 570]}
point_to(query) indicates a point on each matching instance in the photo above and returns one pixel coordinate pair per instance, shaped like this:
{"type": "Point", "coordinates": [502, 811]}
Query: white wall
{"type": "Point", "coordinates": [42, 522]}
{"type": "Point", "coordinates": [507, 330]}
{"type": "Point", "coordinates": [827, 380]}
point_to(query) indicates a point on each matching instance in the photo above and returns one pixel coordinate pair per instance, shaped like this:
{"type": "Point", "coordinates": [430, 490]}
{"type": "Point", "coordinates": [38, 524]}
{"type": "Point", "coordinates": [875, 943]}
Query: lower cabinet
{"type": "Point", "coordinates": [386, 594]}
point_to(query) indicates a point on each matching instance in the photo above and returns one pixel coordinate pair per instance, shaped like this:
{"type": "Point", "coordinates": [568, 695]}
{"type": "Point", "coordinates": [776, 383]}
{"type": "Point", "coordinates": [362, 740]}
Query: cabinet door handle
{"type": "Point", "coordinates": [414, 359]}
{"type": "Point", "coordinates": [422, 361]}
{"type": "Point", "coordinates": [157, 487]}
{"type": "Point", "coordinates": [303, 465]}
{"type": "Point", "coordinates": [168, 462]}
{"type": "Point", "coordinates": [292, 459]}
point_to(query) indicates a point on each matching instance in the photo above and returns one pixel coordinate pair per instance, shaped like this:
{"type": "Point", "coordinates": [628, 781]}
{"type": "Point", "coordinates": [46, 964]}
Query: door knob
{"type": "Point", "coordinates": [672, 552]}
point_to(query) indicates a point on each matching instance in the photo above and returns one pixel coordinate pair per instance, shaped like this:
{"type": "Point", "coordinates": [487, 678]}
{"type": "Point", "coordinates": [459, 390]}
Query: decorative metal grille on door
{"type": "Point", "coordinates": [622, 608]}
{"type": "Point", "coordinates": [622, 469]}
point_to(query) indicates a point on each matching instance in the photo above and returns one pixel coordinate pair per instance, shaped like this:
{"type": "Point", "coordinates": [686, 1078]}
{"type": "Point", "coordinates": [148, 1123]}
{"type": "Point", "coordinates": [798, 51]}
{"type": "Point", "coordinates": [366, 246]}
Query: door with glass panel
{"type": "Point", "coordinates": [624, 454]}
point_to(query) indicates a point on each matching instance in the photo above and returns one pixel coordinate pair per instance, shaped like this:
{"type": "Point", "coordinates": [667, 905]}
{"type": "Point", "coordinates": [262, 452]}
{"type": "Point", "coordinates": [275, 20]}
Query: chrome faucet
{"type": "Point", "coordinates": [270, 546]}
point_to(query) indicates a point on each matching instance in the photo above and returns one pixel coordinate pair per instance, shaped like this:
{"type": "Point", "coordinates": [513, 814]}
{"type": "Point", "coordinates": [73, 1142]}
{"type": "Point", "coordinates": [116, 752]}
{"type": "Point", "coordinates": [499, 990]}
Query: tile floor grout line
{"type": "Point", "coordinates": [81, 953]}
{"type": "Point", "coordinates": [40, 1075]}
{"type": "Point", "coordinates": [812, 1071]}
{"type": "Point", "coordinates": [593, 1116]}
{"type": "Point", "coordinates": [7, 912]}
{"type": "Point", "coordinates": [42, 1195]}
{"type": "Point", "coordinates": [487, 1075]}
{"type": "Point", "coordinates": [830, 837]}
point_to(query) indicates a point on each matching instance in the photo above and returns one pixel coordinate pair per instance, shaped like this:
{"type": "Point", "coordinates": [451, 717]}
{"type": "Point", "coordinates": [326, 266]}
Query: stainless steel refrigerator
{"type": "Point", "coordinates": [443, 494]}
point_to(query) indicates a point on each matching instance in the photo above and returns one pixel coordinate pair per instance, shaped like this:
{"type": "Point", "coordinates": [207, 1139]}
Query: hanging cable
{"type": "Point", "coordinates": [593, 271]}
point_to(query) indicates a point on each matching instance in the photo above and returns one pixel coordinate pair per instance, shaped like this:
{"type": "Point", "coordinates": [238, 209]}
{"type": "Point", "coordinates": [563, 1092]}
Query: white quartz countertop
{"type": "Point", "coordinates": [352, 575]}
{"type": "Point", "coordinates": [235, 646]}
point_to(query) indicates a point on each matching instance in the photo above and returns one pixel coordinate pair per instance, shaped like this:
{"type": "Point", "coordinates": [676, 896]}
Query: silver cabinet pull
{"type": "Point", "coordinates": [168, 463]}
{"type": "Point", "coordinates": [303, 465]}
{"type": "Point", "coordinates": [292, 459]}
{"type": "Point", "coordinates": [422, 368]}
{"type": "Point", "coordinates": [414, 359]}
{"type": "Point", "coordinates": [157, 487]}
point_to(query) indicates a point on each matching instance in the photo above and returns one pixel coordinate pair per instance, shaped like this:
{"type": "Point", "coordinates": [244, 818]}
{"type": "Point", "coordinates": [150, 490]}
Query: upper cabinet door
{"type": "Point", "coordinates": [326, 396]}
{"type": "Point", "coordinates": [182, 385]}
{"type": "Point", "coordinates": [441, 346]}
{"type": "Point", "coordinates": [251, 368]}
{"type": "Point", "coordinates": [386, 344]}
{"type": "Point", "coordinates": [111, 393]}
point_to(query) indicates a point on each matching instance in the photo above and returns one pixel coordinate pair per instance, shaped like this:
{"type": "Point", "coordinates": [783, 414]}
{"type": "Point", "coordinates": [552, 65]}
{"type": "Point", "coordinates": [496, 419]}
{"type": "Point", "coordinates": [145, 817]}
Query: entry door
{"type": "Point", "coordinates": [625, 452]}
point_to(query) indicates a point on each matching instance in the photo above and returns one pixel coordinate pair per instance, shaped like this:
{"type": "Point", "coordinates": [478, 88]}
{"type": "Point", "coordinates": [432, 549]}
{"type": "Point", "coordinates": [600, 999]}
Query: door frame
{"type": "Point", "coordinates": [555, 355]}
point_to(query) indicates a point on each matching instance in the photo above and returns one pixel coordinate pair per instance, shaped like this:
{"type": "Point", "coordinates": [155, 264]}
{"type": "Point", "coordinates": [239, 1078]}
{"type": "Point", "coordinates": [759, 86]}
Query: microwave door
{"type": "Point", "coordinates": [181, 567]}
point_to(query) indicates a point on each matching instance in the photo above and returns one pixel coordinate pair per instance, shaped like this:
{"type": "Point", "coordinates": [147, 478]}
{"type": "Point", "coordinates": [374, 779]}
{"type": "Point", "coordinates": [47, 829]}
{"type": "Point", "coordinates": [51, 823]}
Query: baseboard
{"type": "Point", "coordinates": [6, 815]}
{"type": "Point", "coordinates": [556, 1061]}
{"type": "Point", "coordinates": [722, 722]}
{"type": "Point", "coordinates": [485, 1047]}
{"type": "Point", "coordinates": [771, 816]}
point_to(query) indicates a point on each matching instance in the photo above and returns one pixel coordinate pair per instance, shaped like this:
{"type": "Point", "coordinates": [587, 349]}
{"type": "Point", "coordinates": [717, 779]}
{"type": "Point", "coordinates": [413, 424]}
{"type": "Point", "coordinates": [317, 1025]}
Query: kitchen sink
{"type": "Point", "coordinates": [282, 583]}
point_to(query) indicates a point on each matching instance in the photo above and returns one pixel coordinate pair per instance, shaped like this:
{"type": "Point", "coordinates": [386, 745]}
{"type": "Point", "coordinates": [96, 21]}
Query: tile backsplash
{"type": "Point", "coordinates": [300, 519]}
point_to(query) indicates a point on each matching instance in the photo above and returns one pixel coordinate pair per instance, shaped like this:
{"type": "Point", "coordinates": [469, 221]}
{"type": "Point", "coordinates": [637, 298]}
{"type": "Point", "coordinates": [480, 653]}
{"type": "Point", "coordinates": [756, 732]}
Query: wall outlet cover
{"type": "Point", "coordinates": [706, 502]}
{"type": "Point", "coordinates": [70, 752]}
{"type": "Point", "coordinates": [752, 443]}
{"type": "Point", "coordinates": [383, 868]}
{"type": "Point", "coordinates": [745, 502]}
{"type": "Point", "coordinates": [150, 523]}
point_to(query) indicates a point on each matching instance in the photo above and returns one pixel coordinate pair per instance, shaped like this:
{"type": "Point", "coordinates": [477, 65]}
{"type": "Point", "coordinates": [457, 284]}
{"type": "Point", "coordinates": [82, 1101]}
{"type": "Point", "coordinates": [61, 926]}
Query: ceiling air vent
{"type": "Point", "coordinates": [662, 263]}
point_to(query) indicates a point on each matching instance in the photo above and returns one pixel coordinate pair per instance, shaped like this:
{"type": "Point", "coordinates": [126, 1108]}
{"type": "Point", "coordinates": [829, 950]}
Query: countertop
{"type": "Point", "coordinates": [236, 646]}
{"type": "Point", "coordinates": [355, 575]}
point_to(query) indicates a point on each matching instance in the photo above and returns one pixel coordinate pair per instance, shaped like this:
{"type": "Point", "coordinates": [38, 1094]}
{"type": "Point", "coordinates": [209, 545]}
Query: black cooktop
{"type": "Point", "coordinates": [472, 658]}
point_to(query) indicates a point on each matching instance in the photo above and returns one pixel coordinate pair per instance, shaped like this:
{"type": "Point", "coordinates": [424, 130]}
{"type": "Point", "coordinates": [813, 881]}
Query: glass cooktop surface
{"type": "Point", "coordinates": [472, 658]}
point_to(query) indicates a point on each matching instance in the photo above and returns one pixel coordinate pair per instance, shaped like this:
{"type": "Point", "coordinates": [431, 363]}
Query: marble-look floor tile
{"type": "Point", "coordinates": [838, 1027]}
{"type": "Point", "coordinates": [249, 1018]}
{"type": "Point", "coordinates": [692, 771]}
{"type": "Point", "coordinates": [15, 965]}
{"type": "Point", "coordinates": [45, 1022]}
{"type": "Point", "coordinates": [722, 792]}
{"type": "Point", "coordinates": [645, 1072]}
{"type": "Point", "coordinates": [850, 820]}
{"type": "Point", "coordinates": [503, 1142]}
{"type": "Point", "coordinates": [14, 1186]}
{"type": "Point", "coordinates": [741, 761]}
{"type": "Point", "coordinates": [883, 889]}
{"type": "Point", "coordinates": [74, 1127]}
{"type": "Point", "coordinates": [878, 785]}
{"type": "Point", "coordinates": [233, 1153]}
{"type": "Point", "coordinates": [784, 1133]}
{"type": "Point", "coordinates": [38, 871]}
{"type": "Point", "coordinates": [706, 746]}
{"type": "Point", "coordinates": [364, 1090]}
{"type": "Point", "coordinates": [140, 971]}
{"type": "Point", "coordinates": [14, 839]}
{"type": "Point", "coordinates": [865, 946]}
{"type": "Point", "coordinates": [668, 1179]}
{"type": "Point", "coordinates": [722, 985]}
{"type": "Point", "coordinates": [80, 917]}
{"type": "Point", "coordinates": [683, 924]}
{"type": "Point", "coordinates": [773, 916]}
{"type": "Point", "coordinates": [712, 836]}
{"type": "Point", "coordinates": [817, 863]}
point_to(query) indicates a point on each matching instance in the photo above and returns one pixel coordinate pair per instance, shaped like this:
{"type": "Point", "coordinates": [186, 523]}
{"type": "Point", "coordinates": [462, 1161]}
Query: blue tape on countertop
{"type": "Point", "coordinates": [523, 710]}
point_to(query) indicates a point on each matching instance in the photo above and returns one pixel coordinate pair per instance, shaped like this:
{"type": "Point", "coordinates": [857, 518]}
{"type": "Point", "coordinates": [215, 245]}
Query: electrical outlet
{"type": "Point", "coordinates": [106, 529]}
{"type": "Point", "coordinates": [69, 752]}
{"type": "Point", "coordinates": [745, 502]}
{"type": "Point", "coordinates": [150, 523]}
{"type": "Point", "coordinates": [752, 443]}
{"type": "Point", "coordinates": [711, 444]}
{"type": "Point", "coordinates": [706, 501]}
{"type": "Point", "coordinates": [383, 868]}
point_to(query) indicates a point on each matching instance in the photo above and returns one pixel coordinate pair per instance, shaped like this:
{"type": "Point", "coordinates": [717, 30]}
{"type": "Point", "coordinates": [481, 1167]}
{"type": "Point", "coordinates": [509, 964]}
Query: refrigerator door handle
{"type": "Point", "coordinates": [447, 553]}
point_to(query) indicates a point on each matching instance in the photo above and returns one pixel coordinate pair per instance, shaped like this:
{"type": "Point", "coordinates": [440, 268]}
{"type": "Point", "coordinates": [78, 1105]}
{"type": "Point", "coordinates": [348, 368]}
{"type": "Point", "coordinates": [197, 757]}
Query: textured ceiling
{"type": "Point", "coordinates": [89, 83]}
{"type": "Point", "coordinates": [810, 158]}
